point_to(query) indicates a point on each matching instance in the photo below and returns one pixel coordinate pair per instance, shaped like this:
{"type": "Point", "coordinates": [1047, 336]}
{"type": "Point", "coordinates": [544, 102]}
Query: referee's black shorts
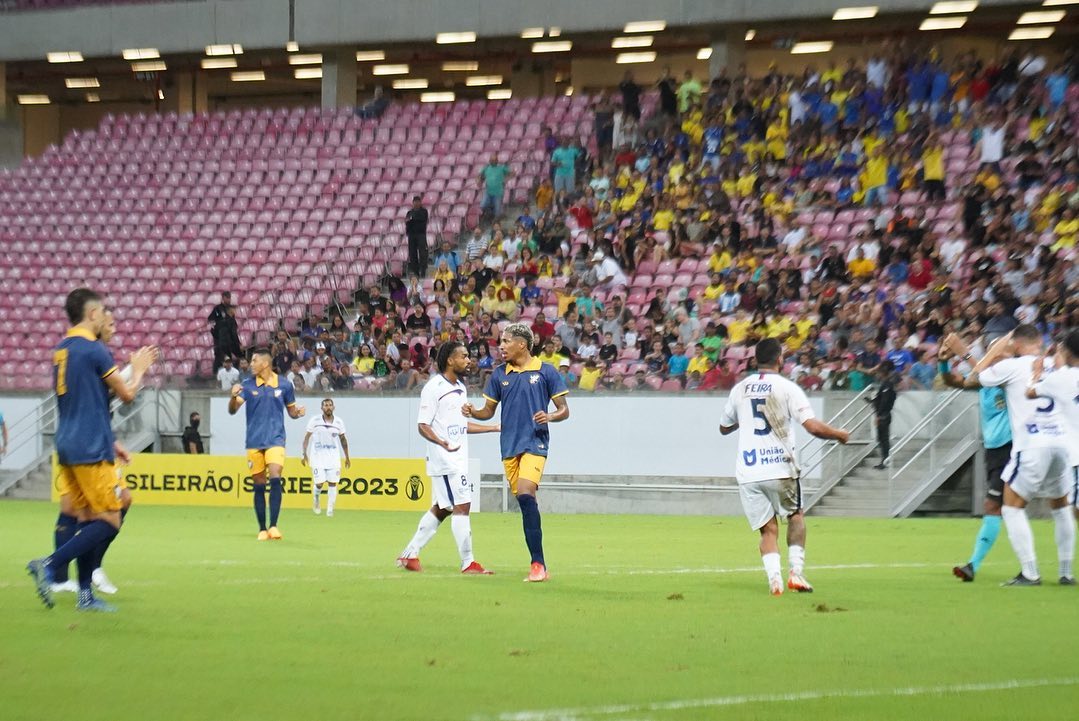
{"type": "Point", "coordinates": [995, 460]}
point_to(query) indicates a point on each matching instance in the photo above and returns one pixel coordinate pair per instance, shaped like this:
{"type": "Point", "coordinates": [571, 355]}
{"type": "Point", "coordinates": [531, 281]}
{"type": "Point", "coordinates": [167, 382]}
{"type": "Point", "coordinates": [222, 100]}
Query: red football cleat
{"type": "Point", "coordinates": [775, 586]}
{"type": "Point", "coordinates": [409, 564]}
{"type": "Point", "coordinates": [797, 582]}
{"type": "Point", "coordinates": [475, 569]}
{"type": "Point", "coordinates": [537, 574]}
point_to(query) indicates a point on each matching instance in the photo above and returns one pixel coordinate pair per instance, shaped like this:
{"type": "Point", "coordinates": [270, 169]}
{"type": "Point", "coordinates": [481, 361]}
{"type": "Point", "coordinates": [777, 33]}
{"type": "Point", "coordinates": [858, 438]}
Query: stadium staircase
{"type": "Point", "coordinates": [31, 438]}
{"type": "Point", "coordinates": [944, 439]}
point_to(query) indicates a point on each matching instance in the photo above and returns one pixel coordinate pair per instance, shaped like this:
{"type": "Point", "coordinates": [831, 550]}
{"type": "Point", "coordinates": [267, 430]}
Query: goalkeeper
{"type": "Point", "coordinates": [761, 407]}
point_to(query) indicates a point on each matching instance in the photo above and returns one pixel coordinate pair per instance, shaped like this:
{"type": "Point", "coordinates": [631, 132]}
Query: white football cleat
{"type": "Point", "coordinates": [775, 586]}
{"type": "Point", "coordinates": [317, 510]}
{"type": "Point", "coordinates": [69, 586]}
{"type": "Point", "coordinates": [329, 512]}
{"type": "Point", "coordinates": [102, 582]}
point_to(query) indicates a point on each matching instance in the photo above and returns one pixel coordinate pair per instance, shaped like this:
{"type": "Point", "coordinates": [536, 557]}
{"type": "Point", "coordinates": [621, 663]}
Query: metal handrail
{"type": "Point", "coordinates": [826, 448]}
{"type": "Point", "coordinates": [926, 420]}
{"type": "Point", "coordinates": [929, 443]}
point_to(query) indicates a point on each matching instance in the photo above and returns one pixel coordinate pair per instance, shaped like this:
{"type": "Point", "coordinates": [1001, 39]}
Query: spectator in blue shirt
{"type": "Point", "coordinates": [922, 373]}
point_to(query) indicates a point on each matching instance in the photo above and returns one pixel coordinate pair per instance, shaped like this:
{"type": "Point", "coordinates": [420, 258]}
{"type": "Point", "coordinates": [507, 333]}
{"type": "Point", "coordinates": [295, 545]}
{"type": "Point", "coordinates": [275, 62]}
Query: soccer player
{"type": "Point", "coordinates": [762, 408]}
{"type": "Point", "coordinates": [324, 456]}
{"type": "Point", "coordinates": [266, 395]}
{"type": "Point", "coordinates": [997, 440]}
{"type": "Point", "coordinates": [66, 522]}
{"type": "Point", "coordinates": [525, 387]}
{"type": "Point", "coordinates": [1062, 388]}
{"type": "Point", "coordinates": [442, 425]}
{"type": "Point", "coordinates": [1040, 457]}
{"type": "Point", "coordinates": [84, 374]}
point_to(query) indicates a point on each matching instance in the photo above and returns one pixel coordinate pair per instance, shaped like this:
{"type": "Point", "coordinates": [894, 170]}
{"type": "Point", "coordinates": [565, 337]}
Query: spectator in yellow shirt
{"type": "Point", "coordinates": [590, 375]}
{"type": "Point", "coordinates": [933, 169]}
{"type": "Point", "coordinates": [1065, 230]}
{"type": "Point", "coordinates": [544, 194]}
{"type": "Point", "coordinates": [699, 362]}
{"type": "Point", "coordinates": [720, 260]}
{"type": "Point", "coordinates": [715, 288]}
{"type": "Point", "coordinates": [875, 177]}
{"type": "Point", "coordinates": [860, 267]}
{"type": "Point", "coordinates": [738, 329]}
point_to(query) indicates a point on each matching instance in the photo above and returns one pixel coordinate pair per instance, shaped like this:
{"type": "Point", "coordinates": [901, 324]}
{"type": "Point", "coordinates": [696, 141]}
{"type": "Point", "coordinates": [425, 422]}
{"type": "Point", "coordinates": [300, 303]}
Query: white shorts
{"type": "Point", "coordinates": [761, 500]}
{"type": "Point", "coordinates": [325, 475]}
{"type": "Point", "coordinates": [451, 490]}
{"type": "Point", "coordinates": [1039, 473]}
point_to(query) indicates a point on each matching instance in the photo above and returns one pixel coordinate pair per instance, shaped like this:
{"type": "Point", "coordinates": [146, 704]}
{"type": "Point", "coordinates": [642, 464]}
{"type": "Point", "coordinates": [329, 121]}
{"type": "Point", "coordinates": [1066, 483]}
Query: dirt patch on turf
{"type": "Point", "coordinates": [825, 608]}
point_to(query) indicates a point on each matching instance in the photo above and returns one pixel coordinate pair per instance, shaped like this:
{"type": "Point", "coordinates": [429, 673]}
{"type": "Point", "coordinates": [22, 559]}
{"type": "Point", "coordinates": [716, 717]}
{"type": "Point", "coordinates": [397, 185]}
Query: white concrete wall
{"type": "Point", "coordinates": [24, 430]}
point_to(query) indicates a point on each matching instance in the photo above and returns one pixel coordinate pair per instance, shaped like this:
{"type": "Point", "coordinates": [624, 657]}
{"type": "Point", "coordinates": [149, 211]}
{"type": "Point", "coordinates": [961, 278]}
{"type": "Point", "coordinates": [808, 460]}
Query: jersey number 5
{"type": "Point", "coordinates": [59, 360]}
{"type": "Point", "coordinates": [756, 403]}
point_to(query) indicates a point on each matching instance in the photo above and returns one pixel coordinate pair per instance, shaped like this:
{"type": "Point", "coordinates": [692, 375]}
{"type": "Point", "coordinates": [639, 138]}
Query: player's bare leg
{"type": "Point", "coordinates": [331, 497]}
{"type": "Point", "coordinates": [316, 490]}
{"type": "Point", "coordinates": [796, 553]}
{"type": "Point", "coordinates": [769, 548]}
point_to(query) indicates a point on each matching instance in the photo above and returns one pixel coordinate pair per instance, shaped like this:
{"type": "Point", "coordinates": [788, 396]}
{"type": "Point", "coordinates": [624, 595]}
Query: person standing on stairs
{"type": "Point", "coordinates": [883, 401]}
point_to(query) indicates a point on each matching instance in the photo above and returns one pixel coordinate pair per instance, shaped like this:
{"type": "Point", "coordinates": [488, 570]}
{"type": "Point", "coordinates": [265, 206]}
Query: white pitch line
{"type": "Point", "coordinates": [582, 714]}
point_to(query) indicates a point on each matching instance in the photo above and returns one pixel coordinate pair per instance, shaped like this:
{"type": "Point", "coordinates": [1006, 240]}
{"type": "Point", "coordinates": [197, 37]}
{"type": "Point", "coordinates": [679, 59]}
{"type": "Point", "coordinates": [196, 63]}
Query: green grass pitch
{"type": "Point", "coordinates": [644, 619]}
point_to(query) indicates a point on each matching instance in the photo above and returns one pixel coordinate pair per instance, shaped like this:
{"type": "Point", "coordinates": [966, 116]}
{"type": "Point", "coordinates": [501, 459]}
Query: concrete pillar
{"type": "Point", "coordinates": [339, 78]}
{"type": "Point", "coordinates": [3, 91]}
{"type": "Point", "coordinates": [200, 93]}
{"type": "Point", "coordinates": [728, 51]}
{"type": "Point", "coordinates": [185, 92]}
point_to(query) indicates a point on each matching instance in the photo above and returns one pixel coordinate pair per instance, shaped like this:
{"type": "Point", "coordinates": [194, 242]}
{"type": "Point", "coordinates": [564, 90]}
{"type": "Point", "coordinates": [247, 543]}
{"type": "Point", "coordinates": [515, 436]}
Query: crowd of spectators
{"type": "Point", "coordinates": [656, 254]}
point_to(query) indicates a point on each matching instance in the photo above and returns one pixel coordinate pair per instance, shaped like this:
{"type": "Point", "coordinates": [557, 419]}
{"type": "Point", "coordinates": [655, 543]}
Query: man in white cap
{"type": "Point", "coordinates": [608, 273]}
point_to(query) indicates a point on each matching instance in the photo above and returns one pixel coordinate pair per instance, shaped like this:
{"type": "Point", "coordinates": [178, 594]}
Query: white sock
{"type": "Point", "coordinates": [1064, 524]}
{"type": "Point", "coordinates": [771, 565]}
{"type": "Point", "coordinates": [424, 532]}
{"type": "Point", "coordinates": [314, 495]}
{"type": "Point", "coordinates": [332, 497]}
{"type": "Point", "coordinates": [462, 533]}
{"type": "Point", "coordinates": [796, 556]}
{"type": "Point", "coordinates": [1022, 538]}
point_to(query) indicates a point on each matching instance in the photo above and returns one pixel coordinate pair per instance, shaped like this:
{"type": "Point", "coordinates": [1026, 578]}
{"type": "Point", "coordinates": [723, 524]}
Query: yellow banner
{"type": "Point", "coordinates": [168, 479]}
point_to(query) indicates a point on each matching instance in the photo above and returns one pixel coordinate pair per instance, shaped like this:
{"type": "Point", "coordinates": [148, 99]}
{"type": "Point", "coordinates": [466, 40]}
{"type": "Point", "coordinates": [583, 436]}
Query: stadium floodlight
{"type": "Point", "coordinates": [149, 66]}
{"type": "Point", "coordinates": [479, 81]}
{"type": "Point", "coordinates": [224, 49]}
{"type": "Point", "coordinates": [444, 97]}
{"type": "Point", "coordinates": [568, 92]}
{"type": "Point", "coordinates": [65, 56]}
{"type": "Point", "coordinates": [1032, 33]}
{"type": "Point", "coordinates": [292, 46]}
{"type": "Point", "coordinates": [532, 33]}
{"type": "Point", "coordinates": [856, 13]}
{"type": "Point", "coordinates": [141, 54]}
{"type": "Point", "coordinates": [410, 84]}
{"type": "Point", "coordinates": [33, 99]}
{"type": "Point", "coordinates": [499, 94]}
{"type": "Point", "coordinates": [821, 46]}
{"type": "Point", "coordinates": [307, 73]}
{"type": "Point", "coordinates": [627, 58]}
{"type": "Point", "coordinates": [634, 41]}
{"type": "Point", "coordinates": [401, 69]}
{"type": "Point", "coordinates": [556, 46]}
{"type": "Point", "coordinates": [1040, 18]}
{"type": "Point", "coordinates": [308, 59]}
{"type": "Point", "coordinates": [704, 53]}
{"type": "Point", "coordinates": [454, 38]}
{"type": "Point", "coordinates": [93, 98]}
{"type": "Point", "coordinates": [943, 23]}
{"type": "Point", "coordinates": [750, 34]}
{"type": "Point", "coordinates": [160, 94]}
{"type": "Point", "coordinates": [554, 32]}
{"type": "Point", "coordinates": [364, 56]}
{"type": "Point", "coordinates": [949, 7]}
{"type": "Point", "coordinates": [247, 76]}
{"type": "Point", "coordinates": [1054, 3]}
{"type": "Point", "coordinates": [646, 26]}
{"type": "Point", "coordinates": [218, 63]}
{"type": "Point", "coordinates": [467, 66]}
{"type": "Point", "coordinates": [82, 82]}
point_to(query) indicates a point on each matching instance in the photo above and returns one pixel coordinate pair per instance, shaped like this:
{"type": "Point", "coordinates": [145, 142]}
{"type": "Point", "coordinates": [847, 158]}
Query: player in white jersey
{"type": "Point", "coordinates": [1061, 386]}
{"type": "Point", "coordinates": [763, 408]}
{"type": "Point", "coordinates": [441, 423]}
{"type": "Point", "coordinates": [323, 447]}
{"type": "Point", "coordinates": [1040, 458]}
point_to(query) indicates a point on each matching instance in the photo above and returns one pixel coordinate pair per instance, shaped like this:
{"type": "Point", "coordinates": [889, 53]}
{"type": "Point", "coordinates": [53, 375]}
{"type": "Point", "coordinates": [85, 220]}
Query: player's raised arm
{"type": "Point", "coordinates": [822, 430]}
{"type": "Point", "coordinates": [236, 399]}
{"type": "Point", "coordinates": [141, 360]}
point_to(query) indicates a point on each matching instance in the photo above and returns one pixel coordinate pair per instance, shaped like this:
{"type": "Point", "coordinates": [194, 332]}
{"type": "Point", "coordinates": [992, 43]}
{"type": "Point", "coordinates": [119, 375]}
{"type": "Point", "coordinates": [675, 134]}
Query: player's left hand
{"type": "Point", "coordinates": [467, 410]}
{"type": "Point", "coordinates": [540, 417]}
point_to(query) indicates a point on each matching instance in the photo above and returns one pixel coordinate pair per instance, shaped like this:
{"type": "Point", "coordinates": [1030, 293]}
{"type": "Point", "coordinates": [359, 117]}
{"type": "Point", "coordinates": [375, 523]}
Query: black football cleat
{"type": "Point", "coordinates": [1021, 580]}
{"type": "Point", "coordinates": [964, 573]}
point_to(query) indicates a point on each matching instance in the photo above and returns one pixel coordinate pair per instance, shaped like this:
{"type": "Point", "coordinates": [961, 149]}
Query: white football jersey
{"type": "Point", "coordinates": [761, 454]}
{"type": "Point", "coordinates": [324, 448]}
{"type": "Point", "coordinates": [1036, 423]}
{"type": "Point", "coordinates": [1061, 387]}
{"type": "Point", "coordinates": [440, 408]}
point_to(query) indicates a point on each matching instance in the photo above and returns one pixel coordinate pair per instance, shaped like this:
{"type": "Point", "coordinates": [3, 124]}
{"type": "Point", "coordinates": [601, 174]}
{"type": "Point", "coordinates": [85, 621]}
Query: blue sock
{"type": "Point", "coordinates": [85, 566]}
{"type": "Point", "coordinates": [260, 504]}
{"type": "Point", "coordinates": [275, 500]}
{"type": "Point", "coordinates": [104, 545]}
{"type": "Point", "coordinates": [530, 518]}
{"type": "Point", "coordinates": [987, 536]}
{"type": "Point", "coordinates": [86, 539]}
{"type": "Point", "coordinates": [65, 531]}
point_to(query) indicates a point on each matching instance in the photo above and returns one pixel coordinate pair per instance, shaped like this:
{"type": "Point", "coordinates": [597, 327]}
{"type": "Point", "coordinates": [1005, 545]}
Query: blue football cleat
{"type": "Point", "coordinates": [42, 580]}
{"type": "Point", "coordinates": [95, 605]}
